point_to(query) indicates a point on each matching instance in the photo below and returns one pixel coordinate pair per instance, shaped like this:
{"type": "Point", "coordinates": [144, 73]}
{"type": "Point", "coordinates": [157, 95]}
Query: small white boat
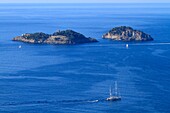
{"type": "Point", "coordinates": [127, 45]}
{"type": "Point", "coordinates": [20, 47]}
{"type": "Point", "coordinates": [115, 97]}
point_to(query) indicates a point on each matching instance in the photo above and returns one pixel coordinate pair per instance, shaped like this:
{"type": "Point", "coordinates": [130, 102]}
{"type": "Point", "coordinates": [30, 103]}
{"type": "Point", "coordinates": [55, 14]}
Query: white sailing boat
{"type": "Point", "coordinates": [115, 97]}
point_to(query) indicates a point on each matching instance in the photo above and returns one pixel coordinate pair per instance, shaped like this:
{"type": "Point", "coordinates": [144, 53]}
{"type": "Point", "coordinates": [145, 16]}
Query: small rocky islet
{"type": "Point", "coordinates": [125, 33]}
{"type": "Point", "coordinates": [67, 37]}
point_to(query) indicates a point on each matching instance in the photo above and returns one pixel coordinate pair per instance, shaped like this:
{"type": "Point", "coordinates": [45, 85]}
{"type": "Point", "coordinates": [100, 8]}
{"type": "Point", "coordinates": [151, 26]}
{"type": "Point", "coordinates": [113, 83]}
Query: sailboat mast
{"type": "Point", "coordinates": [116, 92]}
{"type": "Point", "coordinates": [110, 91]}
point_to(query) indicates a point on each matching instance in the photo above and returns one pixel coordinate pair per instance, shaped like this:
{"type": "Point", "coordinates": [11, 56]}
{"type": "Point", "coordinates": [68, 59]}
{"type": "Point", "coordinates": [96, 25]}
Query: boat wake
{"type": "Point", "coordinates": [127, 45]}
{"type": "Point", "coordinates": [50, 102]}
{"type": "Point", "coordinates": [93, 101]}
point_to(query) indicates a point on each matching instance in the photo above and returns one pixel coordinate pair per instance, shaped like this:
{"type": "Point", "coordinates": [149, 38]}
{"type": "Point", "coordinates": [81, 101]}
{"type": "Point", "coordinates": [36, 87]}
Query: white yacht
{"type": "Point", "coordinates": [114, 97]}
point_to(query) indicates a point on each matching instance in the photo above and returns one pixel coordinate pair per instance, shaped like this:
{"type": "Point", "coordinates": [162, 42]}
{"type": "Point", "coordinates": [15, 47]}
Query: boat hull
{"type": "Point", "coordinates": [114, 98]}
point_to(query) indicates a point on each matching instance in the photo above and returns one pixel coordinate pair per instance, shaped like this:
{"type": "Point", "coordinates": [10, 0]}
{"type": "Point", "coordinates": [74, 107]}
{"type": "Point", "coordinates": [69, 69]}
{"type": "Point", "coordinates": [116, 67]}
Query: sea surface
{"type": "Point", "coordinates": [76, 79]}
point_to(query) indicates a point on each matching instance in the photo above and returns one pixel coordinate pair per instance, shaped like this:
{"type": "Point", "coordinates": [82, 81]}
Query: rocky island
{"type": "Point", "coordinates": [68, 37]}
{"type": "Point", "coordinates": [124, 33]}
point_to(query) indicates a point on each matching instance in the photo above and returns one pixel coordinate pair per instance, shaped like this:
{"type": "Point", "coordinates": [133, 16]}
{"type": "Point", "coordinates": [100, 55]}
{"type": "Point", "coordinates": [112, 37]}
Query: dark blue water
{"type": "Point", "coordinates": [69, 79]}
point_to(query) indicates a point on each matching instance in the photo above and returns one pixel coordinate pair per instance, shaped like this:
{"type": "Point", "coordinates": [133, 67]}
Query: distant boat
{"type": "Point", "coordinates": [127, 45]}
{"type": "Point", "coordinates": [114, 97]}
{"type": "Point", "coordinates": [20, 47]}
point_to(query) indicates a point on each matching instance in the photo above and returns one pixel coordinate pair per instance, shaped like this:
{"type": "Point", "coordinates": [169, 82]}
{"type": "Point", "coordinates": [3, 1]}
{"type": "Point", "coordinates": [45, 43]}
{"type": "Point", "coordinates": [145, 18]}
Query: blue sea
{"type": "Point", "coordinates": [76, 79]}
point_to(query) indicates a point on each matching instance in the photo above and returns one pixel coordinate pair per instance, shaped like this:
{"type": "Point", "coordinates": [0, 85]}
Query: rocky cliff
{"type": "Point", "coordinates": [61, 37]}
{"type": "Point", "coordinates": [124, 33]}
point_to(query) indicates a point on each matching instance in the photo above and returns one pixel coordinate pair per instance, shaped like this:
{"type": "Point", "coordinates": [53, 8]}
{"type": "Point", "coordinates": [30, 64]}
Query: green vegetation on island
{"type": "Point", "coordinates": [61, 37]}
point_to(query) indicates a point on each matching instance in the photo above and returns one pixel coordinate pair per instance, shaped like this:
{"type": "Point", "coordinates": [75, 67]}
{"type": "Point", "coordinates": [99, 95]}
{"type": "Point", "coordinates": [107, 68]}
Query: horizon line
{"type": "Point", "coordinates": [83, 2]}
